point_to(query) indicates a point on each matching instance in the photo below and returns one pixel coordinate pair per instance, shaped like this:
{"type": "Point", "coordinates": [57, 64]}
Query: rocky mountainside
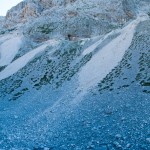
{"type": "Point", "coordinates": [79, 18]}
{"type": "Point", "coordinates": [75, 75]}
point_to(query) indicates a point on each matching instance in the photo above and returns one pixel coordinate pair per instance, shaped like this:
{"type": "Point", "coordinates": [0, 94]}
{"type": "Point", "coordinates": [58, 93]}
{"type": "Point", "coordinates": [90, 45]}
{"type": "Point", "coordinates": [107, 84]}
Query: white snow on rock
{"type": "Point", "coordinates": [96, 44]}
{"type": "Point", "coordinates": [22, 61]}
{"type": "Point", "coordinates": [9, 49]}
{"type": "Point", "coordinates": [5, 37]}
{"type": "Point", "coordinates": [108, 57]}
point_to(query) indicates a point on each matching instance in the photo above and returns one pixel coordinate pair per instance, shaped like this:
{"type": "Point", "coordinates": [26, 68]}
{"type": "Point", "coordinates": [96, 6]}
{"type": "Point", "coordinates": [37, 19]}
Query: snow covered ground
{"type": "Point", "coordinates": [22, 61]}
{"type": "Point", "coordinates": [108, 57]}
{"type": "Point", "coordinates": [5, 37]}
{"type": "Point", "coordinates": [9, 49]}
{"type": "Point", "coordinates": [92, 47]}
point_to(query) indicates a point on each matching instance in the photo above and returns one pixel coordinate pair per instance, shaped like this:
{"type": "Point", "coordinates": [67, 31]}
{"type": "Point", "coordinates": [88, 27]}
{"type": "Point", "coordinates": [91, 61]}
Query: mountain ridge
{"type": "Point", "coordinates": [75, 76]}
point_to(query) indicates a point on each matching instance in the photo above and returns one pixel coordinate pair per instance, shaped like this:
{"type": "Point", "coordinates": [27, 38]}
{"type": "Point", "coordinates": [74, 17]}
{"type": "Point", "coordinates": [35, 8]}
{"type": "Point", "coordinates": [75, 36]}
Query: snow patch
{"type": "Point", "coordinates": [108, 57]}
{"type": "Point", "coordinates": [96, 44]}
{"type": "Point", "coordinates": [22, 61]}
{"type": "Point", "coordinates": [9, 49]}
{"type": "Point", "coordinates": [5, 37]}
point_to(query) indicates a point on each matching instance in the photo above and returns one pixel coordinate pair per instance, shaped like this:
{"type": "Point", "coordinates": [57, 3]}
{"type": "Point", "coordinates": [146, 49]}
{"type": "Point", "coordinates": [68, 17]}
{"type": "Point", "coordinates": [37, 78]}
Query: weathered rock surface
{"type": "Point", "coordinates": [74, 75]}
{"type": "Point", "coordinates": [84, 18]}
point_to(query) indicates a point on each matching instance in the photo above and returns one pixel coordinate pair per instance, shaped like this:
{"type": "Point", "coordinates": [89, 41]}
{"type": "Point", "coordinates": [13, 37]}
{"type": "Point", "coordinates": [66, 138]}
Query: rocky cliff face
{"type": "Point", "coordinates": [74, 75]}
{"type": "Point", "coordinates": [81, 19]}
{"type": "Point", "coordinates": [78, 18]}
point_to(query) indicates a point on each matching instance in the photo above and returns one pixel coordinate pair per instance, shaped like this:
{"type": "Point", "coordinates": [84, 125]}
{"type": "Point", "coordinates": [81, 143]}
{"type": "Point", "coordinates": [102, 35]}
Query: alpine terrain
{"type": "Point", "coordinates": [75, 75]}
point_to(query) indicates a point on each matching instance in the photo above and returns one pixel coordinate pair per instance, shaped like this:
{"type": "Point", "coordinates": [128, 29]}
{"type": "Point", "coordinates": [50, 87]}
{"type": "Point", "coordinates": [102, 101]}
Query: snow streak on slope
{"type": "Point", "coordinates": [5, 37]}
{"type": "Point", "coordinates": [108, 57]}
{"type": "Point", "coordinates": [9, 49]}
{"type": "Point", "coordinates": [95, 45]}
{"type": "Point", "coordinates": [22, 61]}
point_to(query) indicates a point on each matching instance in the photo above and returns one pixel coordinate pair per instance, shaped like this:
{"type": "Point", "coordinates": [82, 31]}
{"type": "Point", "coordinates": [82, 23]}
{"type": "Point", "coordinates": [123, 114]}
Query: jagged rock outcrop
{"type": "Point", "coordinates": [44, 19]}
{"type": "Point", "coordinates": [71, 17]}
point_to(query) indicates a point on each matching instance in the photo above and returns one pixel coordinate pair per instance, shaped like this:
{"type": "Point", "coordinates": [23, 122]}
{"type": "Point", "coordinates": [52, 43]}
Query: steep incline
{"type": "Point", "coordinates": [75, 75]}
